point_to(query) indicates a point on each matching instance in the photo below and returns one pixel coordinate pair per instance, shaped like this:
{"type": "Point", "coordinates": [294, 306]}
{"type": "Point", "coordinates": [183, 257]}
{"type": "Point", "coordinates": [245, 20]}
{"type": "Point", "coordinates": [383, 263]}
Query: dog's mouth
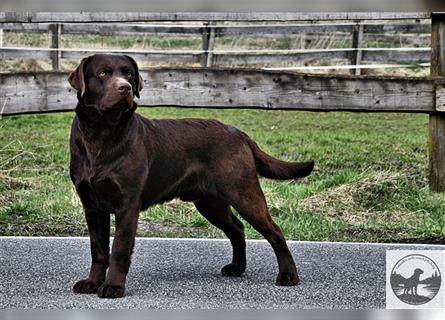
{"type": "Point", "coordinates": [114, 114]}
{"type": "Point", "coordinates": [125, 102]}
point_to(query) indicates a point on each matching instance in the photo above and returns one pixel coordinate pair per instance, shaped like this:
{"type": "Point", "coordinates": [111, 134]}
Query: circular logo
{"type": "Point", "coordinates": [415, 279]}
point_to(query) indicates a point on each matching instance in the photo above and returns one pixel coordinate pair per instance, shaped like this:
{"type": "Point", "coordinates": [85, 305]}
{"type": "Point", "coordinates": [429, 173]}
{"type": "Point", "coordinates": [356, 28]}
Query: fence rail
{"type": "Point", "coordinates": [231, 57]}
{"type": "Point", "coordinates": [284, 30]}
{"type": "Point", "coordinates": [59, 17]}
{"type": "Point", "coordinates": [233, 88]}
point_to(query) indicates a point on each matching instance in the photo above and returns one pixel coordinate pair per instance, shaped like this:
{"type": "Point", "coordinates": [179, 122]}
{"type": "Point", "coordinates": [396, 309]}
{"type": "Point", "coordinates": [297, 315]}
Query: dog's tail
{"type": "Point", "coordinates": [272, 168]}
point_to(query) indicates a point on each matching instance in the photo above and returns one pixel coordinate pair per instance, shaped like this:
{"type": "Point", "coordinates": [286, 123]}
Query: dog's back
{"type": "Point", "coordinates": [201, 156]}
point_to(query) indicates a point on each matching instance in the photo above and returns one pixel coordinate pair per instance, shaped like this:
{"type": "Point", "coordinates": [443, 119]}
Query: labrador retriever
{"type": "Point", "coordinates": [123, 163]}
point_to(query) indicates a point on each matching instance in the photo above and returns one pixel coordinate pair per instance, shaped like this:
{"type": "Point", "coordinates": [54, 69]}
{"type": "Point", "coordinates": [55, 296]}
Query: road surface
{"type": "Point", "coordinates": [184, 273]}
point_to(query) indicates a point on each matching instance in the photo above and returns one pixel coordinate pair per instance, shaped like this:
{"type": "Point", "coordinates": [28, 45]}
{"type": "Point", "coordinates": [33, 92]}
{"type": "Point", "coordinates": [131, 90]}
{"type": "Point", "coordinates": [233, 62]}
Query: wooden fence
{"type": "Point", "coordinates": [234, 88]}
{"type": "Point", "coordinates": [253, 88]}
{"type": "Point", "coordinates": [205, 26]}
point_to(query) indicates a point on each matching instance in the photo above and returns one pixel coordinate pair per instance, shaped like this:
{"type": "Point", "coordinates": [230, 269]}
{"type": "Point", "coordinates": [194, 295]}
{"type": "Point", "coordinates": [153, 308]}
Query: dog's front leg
{"type": "Point", "coordinates": [99, 230]}
{"type": "Point", "coordinates": [126, 225]}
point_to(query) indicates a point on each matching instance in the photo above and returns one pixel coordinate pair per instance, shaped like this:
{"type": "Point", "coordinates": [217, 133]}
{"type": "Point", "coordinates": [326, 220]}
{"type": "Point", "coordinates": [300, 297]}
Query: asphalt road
{"type": "Point", "coordinates": [178, 273]}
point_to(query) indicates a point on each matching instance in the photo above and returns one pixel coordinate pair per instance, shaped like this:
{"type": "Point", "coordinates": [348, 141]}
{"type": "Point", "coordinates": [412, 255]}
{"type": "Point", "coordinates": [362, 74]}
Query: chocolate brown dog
{"type": "Point", "coordinates": [123, 163]}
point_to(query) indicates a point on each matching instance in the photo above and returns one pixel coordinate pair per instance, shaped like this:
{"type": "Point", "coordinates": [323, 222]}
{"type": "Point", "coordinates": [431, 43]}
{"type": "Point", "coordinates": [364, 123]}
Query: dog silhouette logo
{"type": "Point", "coordinates": [415, 279]}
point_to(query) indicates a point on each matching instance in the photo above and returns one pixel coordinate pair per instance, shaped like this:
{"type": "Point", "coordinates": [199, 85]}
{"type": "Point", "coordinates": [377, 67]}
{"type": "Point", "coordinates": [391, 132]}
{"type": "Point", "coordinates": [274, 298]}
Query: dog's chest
{"type": "Point", "coordinates": [100, 191]}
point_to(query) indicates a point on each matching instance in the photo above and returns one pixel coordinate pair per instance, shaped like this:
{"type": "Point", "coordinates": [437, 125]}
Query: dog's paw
{"type": "Point", "coordinates": [111, 291]}
{"type": "Point", "coordinates": [86, 286]}
{"type": "Point", "coordinates": [233, 270]}
{"type": "Point", "coordinates": [289, 278]}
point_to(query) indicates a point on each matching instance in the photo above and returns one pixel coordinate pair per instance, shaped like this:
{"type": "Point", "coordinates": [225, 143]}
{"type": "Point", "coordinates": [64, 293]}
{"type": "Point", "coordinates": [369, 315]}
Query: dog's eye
{"type": "Point", "coordinates": [102, 74]}
{"type": "Point", "coordinates": [129, 75]}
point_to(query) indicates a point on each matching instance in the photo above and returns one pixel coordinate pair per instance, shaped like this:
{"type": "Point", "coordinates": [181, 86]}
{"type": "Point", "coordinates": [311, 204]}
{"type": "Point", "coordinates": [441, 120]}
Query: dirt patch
{"type": "Point", "coordinates": [171, 230]}
{"type": "Point", "coordinates": [386, 236]}
{"type": "Point", "coordinates": [363, 200]}
{"type": "Point", "coordinates": [6, 199]}
{"type": "Point", "coordinates": [17, 226]}
{"type": "Point", "coordinates": [13, 183]}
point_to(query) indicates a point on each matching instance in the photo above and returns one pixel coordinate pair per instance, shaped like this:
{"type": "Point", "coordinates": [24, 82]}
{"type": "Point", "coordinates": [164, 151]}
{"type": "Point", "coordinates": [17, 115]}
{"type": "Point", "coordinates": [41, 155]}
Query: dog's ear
{"type": "Point", "coordinates": [137, 77]}
{"type": "Point", "coordinates": [77, 77]}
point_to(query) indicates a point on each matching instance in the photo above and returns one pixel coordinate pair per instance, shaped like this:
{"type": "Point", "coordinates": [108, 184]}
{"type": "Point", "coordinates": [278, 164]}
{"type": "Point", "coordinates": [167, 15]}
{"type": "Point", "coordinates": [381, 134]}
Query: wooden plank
{"type": "Point", "coordinates": [436, 152]}
{"type": "Point", "coordinates": [268, 30]}
{"type": "Point", "coordinates": [60, 17]}
{"type": "Point", "coordinates": [253, 58]}
{"type": "Point", "coordinates": [396, 54]}
{"type": "Point", "coordinates": [287, 30]}
{"type": "Point", "coordinates": [210, 48]}
{"type": "Point", "coordinates": [40, 92]}
{"type": "Point", "coordinates": [348, 67]}
{"type": "Point", "coordinates": [440, 98]}
{"type": "Point", "coordinates": [106, 29]}
{"type": "Point", "coordinates": [55, 33]}
{"type": "Point", "coordinates": [158, 56]}
{"type": "Point", "coordinates": [398, 28]}
{"type": "Point", "coordinates": [263, 30]}
{"type": "Point", "coordinates": [28, 27]}
{"type": "Point", "coordinates": [411, 40]}
{"type": "Point", "coordinates": [170, 57]}
{"type": "Point", "coordinates": [232, 88]}
{"type": "Point", "coordinates": [25, 53]}
{"type": "Point", "coordinates": [205, 43]}
{"type": "Point", "coordinates": [288, 91]}
{"type": "Point", "coordinates": [357, 44]}
{"type": "Point", "coordinates": [436, 141]}
{"type": "Point", "coordinates": [232, 57]}
{"type": "Point", "coordinates": [228, 58]}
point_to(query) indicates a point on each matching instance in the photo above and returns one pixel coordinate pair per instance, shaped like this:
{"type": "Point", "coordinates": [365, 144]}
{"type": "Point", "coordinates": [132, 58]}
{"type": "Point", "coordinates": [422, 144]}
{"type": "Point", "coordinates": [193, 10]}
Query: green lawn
{"type": "Point", "coordinates": [369, 183]}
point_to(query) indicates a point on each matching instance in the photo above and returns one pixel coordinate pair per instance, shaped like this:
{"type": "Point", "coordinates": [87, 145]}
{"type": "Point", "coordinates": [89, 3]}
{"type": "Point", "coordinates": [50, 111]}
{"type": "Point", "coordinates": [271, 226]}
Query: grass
{"type": "Point", "coordinates": [369, 184]}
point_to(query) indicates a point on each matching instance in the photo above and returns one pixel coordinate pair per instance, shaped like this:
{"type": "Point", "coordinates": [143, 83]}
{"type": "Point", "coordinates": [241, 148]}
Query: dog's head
{"type": "Point", "coordinates": [107, 81]}
{"type": "Point", "coordinates": [418, 271]}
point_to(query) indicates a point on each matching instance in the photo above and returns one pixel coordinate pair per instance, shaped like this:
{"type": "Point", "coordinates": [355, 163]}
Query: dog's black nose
{"type": "Point", "coordinates": [124, 87]}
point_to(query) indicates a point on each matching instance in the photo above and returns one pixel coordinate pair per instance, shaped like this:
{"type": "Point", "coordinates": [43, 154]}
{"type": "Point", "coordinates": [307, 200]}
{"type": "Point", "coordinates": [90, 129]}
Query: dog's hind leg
{"type": "Point", "coordinates": [248, 199]}
{"type": "Point", "coordinates": [219, 214]}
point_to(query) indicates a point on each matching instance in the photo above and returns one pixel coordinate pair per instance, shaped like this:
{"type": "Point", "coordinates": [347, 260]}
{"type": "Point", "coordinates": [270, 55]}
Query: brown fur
{"type": "Point", "coordinates": [123, 163]}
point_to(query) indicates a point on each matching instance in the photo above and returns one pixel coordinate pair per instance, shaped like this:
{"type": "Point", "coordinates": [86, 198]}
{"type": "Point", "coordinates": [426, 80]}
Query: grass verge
{"type": "Point", "coordinates": [369, 183]}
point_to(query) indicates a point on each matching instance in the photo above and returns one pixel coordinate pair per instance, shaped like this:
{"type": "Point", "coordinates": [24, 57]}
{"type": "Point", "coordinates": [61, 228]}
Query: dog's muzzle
{"type": "Point", "coordinates": [123, 87]}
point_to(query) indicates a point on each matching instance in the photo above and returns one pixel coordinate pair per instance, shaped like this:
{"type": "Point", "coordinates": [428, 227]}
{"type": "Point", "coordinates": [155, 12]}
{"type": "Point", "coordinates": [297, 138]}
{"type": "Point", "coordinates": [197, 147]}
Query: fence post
{"type": "Point", "coordinates": [55, 32]}
{"type": "Point", "coordinates": [208, 43]}
{"type": "Point", "coordinates": [357, 43]}
{"type": "Point", "coordinates": [436, 142]}
{"type": "Point", "coordinates": [211, 46]}
{"type": "Point", "coordinates": [205, 43]}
